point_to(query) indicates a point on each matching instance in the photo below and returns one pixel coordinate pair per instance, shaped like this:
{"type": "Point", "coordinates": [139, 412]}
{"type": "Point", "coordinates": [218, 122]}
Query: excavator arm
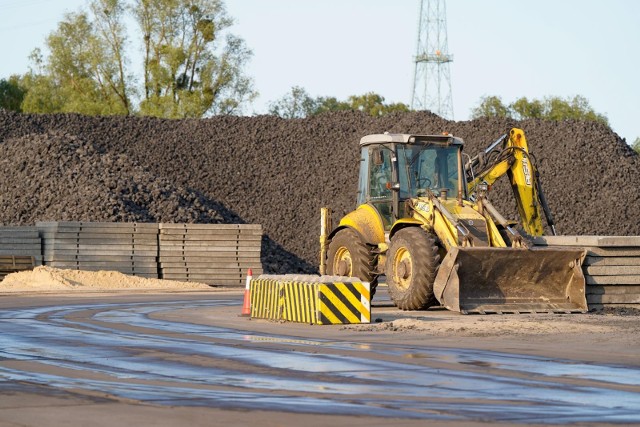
{"type": "Point", "coordinates": [519, 278]}
{"type": "Point", "coordinates": [510, 155]}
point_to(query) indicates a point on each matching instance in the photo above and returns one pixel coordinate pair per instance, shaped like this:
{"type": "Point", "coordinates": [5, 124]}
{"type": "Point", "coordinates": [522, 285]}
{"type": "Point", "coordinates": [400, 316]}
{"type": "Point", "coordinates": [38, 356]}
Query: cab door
{"type": "Point", "coordinates": [379, 176]}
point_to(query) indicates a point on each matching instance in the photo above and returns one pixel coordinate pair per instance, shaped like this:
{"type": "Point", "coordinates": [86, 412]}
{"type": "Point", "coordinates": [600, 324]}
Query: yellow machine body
{"type": "Point", "coordinates": [440, 238]}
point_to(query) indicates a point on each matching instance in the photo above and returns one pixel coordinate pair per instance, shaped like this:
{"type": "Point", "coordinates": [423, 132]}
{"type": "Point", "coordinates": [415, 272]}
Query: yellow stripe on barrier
{"type": "Point", "coordinates": [365, 300]}
{"type": "Point", "coordinates": [309, 295]}
{"type": "Point", "coordinates": [299, 302]}
{"type": "Point", "coordinates": [364, 291]}
{"type": "Point", "coordinates": [265, 299]}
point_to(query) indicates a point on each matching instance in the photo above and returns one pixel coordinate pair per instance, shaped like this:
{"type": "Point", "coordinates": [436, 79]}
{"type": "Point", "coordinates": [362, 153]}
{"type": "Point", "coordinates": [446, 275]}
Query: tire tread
{"type": "Point", "coordinates": [422, 247]}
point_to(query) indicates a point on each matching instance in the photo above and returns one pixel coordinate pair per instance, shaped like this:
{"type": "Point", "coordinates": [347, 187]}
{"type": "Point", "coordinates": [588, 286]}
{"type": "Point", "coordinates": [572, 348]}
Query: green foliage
{"type": "Point", "coordinates": [550, 108]}
{"type": "Point", "coordinates": [43, 95]}
{"type": "Point", "coordinates": [298, 103]}
{"type": "Point", "coordinates": [112, 41]}
{"type": "Point", "coordinates": [524, 108]}
{"type": "Point", "coordinates": [11, 94]}
{"type": "Point", "coordinates": [636, 145]}
{"type": "Point", "coordinates": [374, 105]}
{"type": "Point", "coordinates": [294, 105]}
{"type": "Point", "coordinates": [84, 71]}
{"type": "Point", "coordinates": [576, 108]}
{"type": "Point", "coordinates": [330, 103]}
{"type": "Point", "coordinates": [190, 68]}
{"type": "Point", "coordinates": [490, 106]}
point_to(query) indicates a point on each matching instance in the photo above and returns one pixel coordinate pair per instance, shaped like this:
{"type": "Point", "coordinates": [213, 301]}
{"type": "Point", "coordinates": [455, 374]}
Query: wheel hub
{"type": "Point", "coordinates": [343, 265]}
{"type": "Point", "coordinates": [343, 268]}
{"type": "Point", "coordinates": [402, 265]}
{"type": "Point", "coordinates": [404, 270]}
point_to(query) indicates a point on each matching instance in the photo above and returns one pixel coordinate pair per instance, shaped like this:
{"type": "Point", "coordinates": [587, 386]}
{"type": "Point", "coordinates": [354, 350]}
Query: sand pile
{"type": "Point", "coordinates": [52, 279]}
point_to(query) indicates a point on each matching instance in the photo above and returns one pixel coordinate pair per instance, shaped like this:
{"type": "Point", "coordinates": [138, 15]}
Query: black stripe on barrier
{"type": "Point", "coordinates": [327, 302]}
{"type": "Point", "coordinates": [302, 291]}
{"type": "Point", "coordinates": [356, 293]}
{"type": "Point", "coordinates": [313, 310]}
{"type": "Point", "coordinates": [342, 297]}
{"type": "Point", "coordinates": [298, 303]}
{"type": "Point", "coordinates": [291, 302]}
{"type": "Point", "coordinates": [287, 314]}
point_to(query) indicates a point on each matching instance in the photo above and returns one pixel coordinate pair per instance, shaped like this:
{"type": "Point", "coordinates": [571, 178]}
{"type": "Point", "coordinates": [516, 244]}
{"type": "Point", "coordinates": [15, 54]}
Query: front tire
{"type": "Point", "coordinates": [412, 264]}
{"type": "Point", "coordinates": [349, 256]}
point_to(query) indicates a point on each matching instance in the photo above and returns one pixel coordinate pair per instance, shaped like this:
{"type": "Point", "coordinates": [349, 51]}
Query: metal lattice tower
{"type": "Point", "coordinates": [431, 78]}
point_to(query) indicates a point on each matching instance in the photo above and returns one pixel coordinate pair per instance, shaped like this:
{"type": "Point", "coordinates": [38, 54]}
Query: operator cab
{"type": "Point", "coordinates": [398, 167]}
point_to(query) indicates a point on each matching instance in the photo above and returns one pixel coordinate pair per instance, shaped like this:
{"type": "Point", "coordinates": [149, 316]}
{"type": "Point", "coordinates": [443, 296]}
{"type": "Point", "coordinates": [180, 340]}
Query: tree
{"type": "Point", "coordinates": [374, 105]}
{"type": "Point", "coordinates": [330, 103]}
{"type": "Point", "coordinates": [190, 66]}
{"type": "Point", "coordinates": [551, 108]}
{"type": "Point", "coordinates": [43, 94]}
{"type": "Point", "coordinates": [298, 103]}
{"type": "Point", "coordinates": [11, 94]}
{"type": "Point", "coordinates": [111, 32]}
{"type": "Point", "coordinates": [576, 108]}
{"type": "Point", "coordinates": [636, 145]}
{"type": "Point", "coordinates": [523, 108]}
{"type": "Point", "coordinates": [490, 106]}
{"type": "Point", "coordinates": [294, 105]}
{"type": "Point", "coordinates": [84, 70]}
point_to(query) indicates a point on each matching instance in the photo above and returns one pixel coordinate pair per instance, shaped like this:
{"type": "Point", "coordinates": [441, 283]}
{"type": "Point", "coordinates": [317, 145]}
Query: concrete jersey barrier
{"type": "Point", "coordinates": [320, 300]}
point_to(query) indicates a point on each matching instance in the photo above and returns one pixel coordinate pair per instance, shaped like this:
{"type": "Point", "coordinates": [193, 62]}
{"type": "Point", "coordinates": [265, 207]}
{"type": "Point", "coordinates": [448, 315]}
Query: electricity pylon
{"type": "Point", "coordinates": [431, 78]}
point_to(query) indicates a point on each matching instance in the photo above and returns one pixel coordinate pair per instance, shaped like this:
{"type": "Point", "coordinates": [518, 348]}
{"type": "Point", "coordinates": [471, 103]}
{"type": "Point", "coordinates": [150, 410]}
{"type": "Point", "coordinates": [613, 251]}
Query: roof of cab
{"type": "Point", "coordinates": [405, 138]}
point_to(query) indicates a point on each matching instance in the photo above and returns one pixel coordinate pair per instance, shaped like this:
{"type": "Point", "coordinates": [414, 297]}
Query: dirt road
{"type": "Point", "coordinates": [186, 358]}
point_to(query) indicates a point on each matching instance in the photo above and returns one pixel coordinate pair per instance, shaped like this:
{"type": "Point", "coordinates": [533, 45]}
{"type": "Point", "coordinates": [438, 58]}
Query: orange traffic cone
{"type": "Point", "coordinates": [246, 306]}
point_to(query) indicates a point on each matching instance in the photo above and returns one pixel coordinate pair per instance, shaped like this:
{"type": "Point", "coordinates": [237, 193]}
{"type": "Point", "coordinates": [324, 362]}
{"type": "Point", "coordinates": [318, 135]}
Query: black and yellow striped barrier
{"type": "Point", "coordinates": [320, 300]}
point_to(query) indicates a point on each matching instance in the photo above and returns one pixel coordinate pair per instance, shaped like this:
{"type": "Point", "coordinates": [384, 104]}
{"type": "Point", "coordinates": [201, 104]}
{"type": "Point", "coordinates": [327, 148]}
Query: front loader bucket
{"type": "Point", "coordinates": [510, 280]}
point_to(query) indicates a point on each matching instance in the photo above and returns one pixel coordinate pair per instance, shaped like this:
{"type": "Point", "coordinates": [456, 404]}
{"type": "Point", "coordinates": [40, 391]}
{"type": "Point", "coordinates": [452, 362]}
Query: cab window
{"type": "Point", "coordinates": [380, 173]}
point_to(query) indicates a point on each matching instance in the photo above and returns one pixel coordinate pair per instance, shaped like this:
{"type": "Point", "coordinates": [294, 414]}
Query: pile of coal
{"type": "Point", "coordinates": [279, 173]}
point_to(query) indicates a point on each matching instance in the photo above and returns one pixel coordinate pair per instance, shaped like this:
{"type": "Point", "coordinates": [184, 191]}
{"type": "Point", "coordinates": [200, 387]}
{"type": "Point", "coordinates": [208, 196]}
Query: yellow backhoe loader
{"type": "Point", "coordinates": [425, 222]}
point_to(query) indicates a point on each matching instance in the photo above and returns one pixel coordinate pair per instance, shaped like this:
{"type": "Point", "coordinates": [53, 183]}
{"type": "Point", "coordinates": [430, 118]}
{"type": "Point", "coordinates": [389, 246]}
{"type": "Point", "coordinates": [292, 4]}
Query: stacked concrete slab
{"type": "Point", "coordinates": [20, 249]}
{"type": "Point", "coordinates": [15, 263]}
{"type": "Point", "coordinates": [130, 248]}
{"type": "Point", "coordinates": [21, 241]}
{"type": "Point", "coordinates": [611, 268]}
{"type": "Point", "coordinates": [217, 254]}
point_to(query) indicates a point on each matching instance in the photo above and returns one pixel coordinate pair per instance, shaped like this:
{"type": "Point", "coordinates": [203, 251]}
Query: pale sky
{"type": "Point", "coordinates": [508, 48]}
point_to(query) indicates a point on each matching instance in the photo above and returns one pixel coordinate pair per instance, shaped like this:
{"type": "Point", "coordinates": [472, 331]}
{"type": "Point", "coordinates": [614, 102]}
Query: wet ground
{"type": "Point", "coordinates": [192, 350]}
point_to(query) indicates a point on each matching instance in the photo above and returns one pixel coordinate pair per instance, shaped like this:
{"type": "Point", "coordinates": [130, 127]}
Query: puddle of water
{"type": "Point", "coordinates": [63, 340]}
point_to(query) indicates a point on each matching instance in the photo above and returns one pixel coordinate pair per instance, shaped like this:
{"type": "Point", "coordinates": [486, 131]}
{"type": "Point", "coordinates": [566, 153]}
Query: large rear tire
{"type": "Point", "coordinates": [412, 264]}
{"type": "Point", "coordinates": [349, 256]}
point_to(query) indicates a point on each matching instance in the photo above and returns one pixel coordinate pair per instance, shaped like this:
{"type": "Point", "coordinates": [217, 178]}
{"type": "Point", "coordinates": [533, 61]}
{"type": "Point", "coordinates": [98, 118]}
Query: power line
{"type": "Point", "coordinates": [27, 25]}
{"type": "Point", "coordinates": [21, 4]}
